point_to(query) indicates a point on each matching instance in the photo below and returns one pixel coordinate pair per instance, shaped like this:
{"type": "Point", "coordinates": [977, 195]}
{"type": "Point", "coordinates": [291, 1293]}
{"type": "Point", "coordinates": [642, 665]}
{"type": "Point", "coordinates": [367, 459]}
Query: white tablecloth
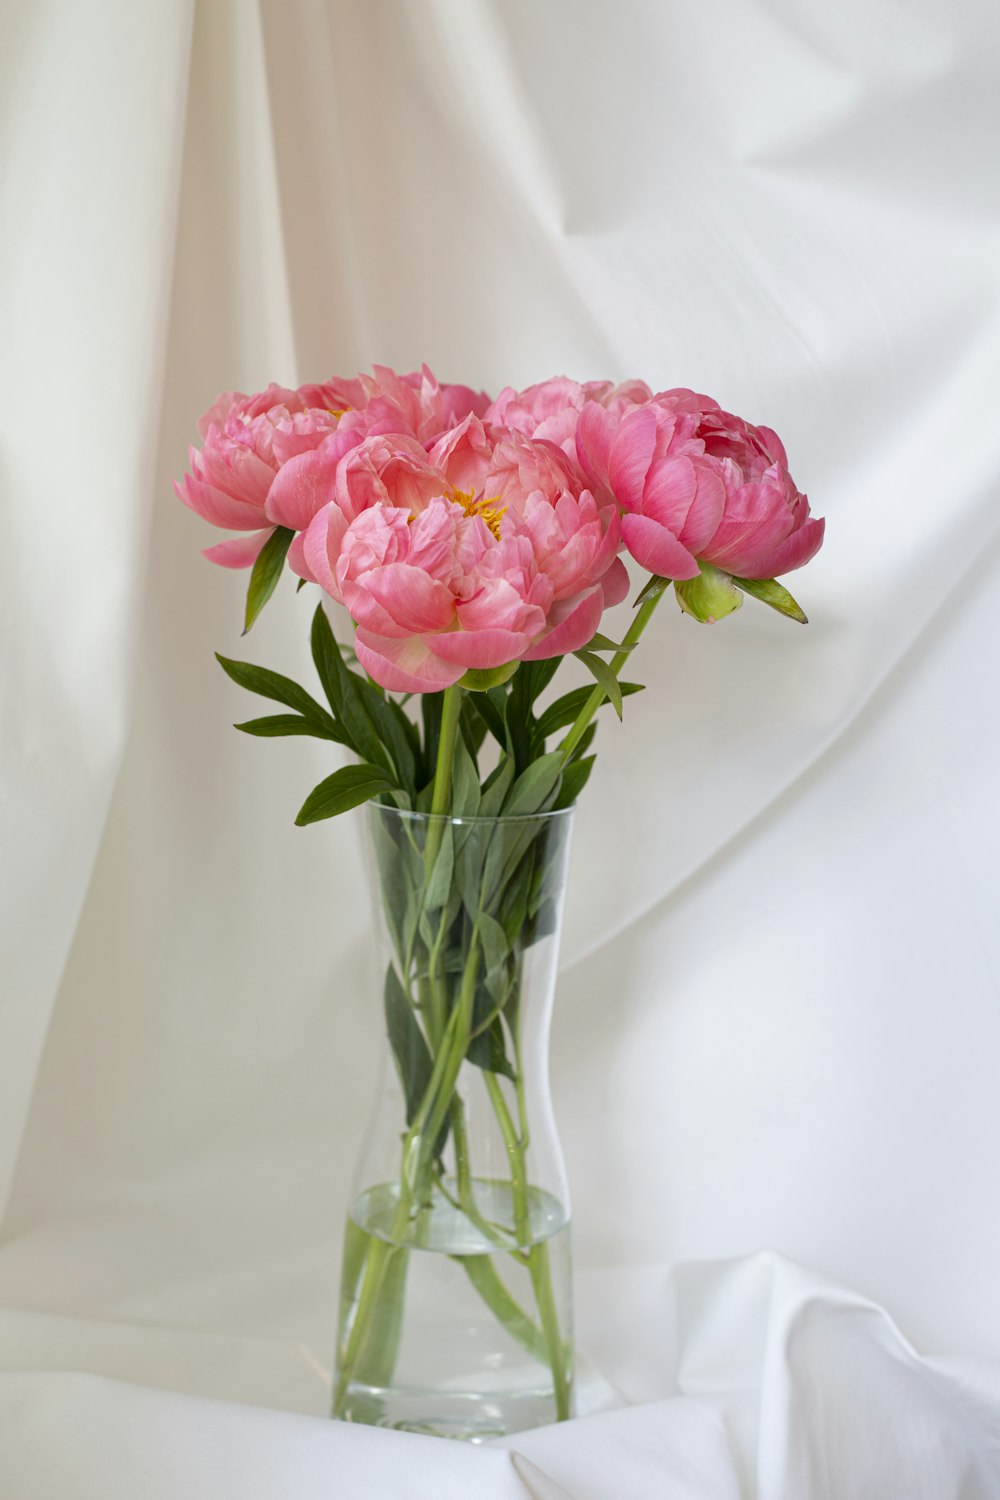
{"type": "Point", "coordinates": [744, 1378]}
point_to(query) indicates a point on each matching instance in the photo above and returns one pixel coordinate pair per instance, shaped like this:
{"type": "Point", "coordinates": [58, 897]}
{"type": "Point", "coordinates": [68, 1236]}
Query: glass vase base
{"type": "Point", "coordinates": [463, 1415]}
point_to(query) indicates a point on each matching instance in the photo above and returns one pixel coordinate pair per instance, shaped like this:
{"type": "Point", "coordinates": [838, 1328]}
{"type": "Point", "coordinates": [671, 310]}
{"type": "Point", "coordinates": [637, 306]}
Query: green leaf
{"type": "Point", "coordinates": [534, 786]}
{"type": "Point", "coordinates": [346, 788]}
{"type": "Point", "coordinates": [583, 744]}
{"type": "Point", "coordinates": [404, 742]}
{"type": "Point", "coordinates": [438, 888]}
{"type": "Point", "coordinates": [489, 1052]}
{"type": "Point", "coordinates": [473, 725]}
{"type": "Point", "coordinates": [653, 589]}
{"type": "Point", "coordinates": [536, 676]}
{"type": "Point", "coordinates": [345, 691]}
{"type": "Point", "coordinates": [770, 591]}
{"type": "Point", "coordinates": [493, 719]}
{"type": "Point", "coordinates": [301, 585]}
{"type": "Point", "coordinates": [604, 678]}
{"type": "Point", "coordinates": [600, 642]}
{"type": "Point", "coordinates": [575, 778]}
{"type": "Point", "coordinates": [266, 572]}
{"type": "Point", "coordinates": [431, 705]}
{"type": "Point", "coordinates": [274, 725]}
{"type": "Point", "coordinates": [464, 782]}
{"type": "Point", "coordinates": [565, 710]}
{"type": "Point", "coordinates": [270, 684]}
{"type": "Point", "coordinates": [401, 875]}
{"type": "Point", "coordinates": [496, 949]}
{"type": "Point", "coordinates": [496, 787]}
{"type": "Point", "coordinates": [410, 1050]}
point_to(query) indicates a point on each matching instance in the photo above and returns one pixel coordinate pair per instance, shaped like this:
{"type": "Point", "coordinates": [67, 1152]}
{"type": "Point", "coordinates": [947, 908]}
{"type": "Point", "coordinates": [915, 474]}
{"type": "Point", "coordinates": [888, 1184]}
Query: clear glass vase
{"type": "Point", "coordinates": [455, 1308]}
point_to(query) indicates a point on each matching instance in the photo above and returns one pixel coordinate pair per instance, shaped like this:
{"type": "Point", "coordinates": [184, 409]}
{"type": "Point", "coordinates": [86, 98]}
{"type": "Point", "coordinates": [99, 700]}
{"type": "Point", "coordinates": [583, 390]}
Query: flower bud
{"type": "Point", "coordinates": [708, 597]}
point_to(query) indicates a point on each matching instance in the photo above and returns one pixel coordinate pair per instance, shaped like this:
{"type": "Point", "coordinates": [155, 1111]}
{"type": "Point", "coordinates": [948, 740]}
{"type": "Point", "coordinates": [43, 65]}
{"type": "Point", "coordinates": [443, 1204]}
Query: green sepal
{"type": "Point", "coordinates": [770, 591]}
{"type": "Point", "coordinates": [266, 572]}
{"type": "Point", "coordinates": [480, 680]}
{"type": "Point", "coordinates": [346, 788]}
{"type": "Point", "coordinates": [709, 597]}
{"type": "Point", "coordinates": [654, 587]}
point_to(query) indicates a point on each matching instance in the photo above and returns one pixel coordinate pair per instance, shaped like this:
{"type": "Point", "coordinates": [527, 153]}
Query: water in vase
{"type": "Point", "coordinates": [471, 1330]}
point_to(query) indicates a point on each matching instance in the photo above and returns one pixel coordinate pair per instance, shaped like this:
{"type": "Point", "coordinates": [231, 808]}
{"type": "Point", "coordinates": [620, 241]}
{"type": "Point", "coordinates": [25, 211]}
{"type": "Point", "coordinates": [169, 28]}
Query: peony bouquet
{"type": "Point", "coordinates": [474, 544]}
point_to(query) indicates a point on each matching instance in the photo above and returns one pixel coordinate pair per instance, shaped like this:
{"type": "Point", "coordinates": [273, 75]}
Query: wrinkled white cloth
{"type": "Point", "coordinates": [777, 1020]}
{"type": "Point", "coordinates": [751, 1377]}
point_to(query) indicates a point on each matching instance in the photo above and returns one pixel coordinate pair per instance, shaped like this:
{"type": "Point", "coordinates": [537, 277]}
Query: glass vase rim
{"type": "Point", "coordinates": [416, 816]}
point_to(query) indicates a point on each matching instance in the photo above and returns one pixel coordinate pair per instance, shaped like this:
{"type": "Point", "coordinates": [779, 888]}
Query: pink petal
{"type": "Point", "coordinates": [631, 456]}
{"type": "Point", "coordinates": [498, 605]}
{"type": "Point", "coordinates": [594, 430]}
{"type": "Point", "coordinates": [404, 666]}
{"type": "Point", "coordinates": [219, 508]}
{"type": "Point", "coordinates": [669, 492]}
{"type": "Point", "coordinates": [478, 648]}
{"type": "Point", "coordinates": [368, 613]}
{"type": "Point", "coordinates": [238, 551]}
{"type": "Point", "coordinates": [773, 446]}
{"type": "Point", "coordinates": [574, 630]}
{"type": "Point", "coordinates": [657, 549]}
{"type": "Point", "coordinates": [760, 515]}
{"type": "Point", "coordinates": [239, 471]}
{"type": "Point", "coordinates": [301, 488]}
{"type": "Point", "coordinates": [297, 558]}
{"type": "Point", "coordinates": [794, 551]}
{"type": "Point", "coordinates": [321, 543]}
{"type": "Point", "coordinates": [707, 508]}
{"type": "Point", "coordinates": [411, 597]}
{"type": "Point", "coordinates": [615, 583]}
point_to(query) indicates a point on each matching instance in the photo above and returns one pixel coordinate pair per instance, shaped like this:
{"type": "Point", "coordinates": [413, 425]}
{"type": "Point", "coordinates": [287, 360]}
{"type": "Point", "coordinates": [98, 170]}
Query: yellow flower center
{"type": "Point", "coordinates": [486, 509]}
{"type": "Point", "coordinates": [337, 411]}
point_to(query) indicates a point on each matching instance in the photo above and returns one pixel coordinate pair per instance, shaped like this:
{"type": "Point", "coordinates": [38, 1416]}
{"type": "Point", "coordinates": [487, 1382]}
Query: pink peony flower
{"type": "Point", "coordinates": [250, 440]}
{"type": "Point", "coordinates": [485, 551]}
{"type": "Point", "coordinates": [551, 409]}
{"type": "Point", "coordinates": [697, 484]}
{"type": "Point", "coordinates": [246, 440]}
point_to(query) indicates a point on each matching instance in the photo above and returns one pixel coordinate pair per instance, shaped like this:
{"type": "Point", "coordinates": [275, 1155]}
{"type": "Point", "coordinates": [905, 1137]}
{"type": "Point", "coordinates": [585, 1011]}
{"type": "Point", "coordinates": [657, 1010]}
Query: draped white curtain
{"type": "Point", "coordinates": [778, 1017]}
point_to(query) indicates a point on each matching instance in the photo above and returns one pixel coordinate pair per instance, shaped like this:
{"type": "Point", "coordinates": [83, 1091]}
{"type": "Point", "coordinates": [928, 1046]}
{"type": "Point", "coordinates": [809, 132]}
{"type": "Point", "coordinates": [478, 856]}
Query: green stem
{"type": "Point", "coordinates": [642, 618]}
{"type": "Point", "coordinates": [495, 1233]}
{"type": "Point", "coordinates": [377, 1265]}
{"type": "Point", "coordinates": [538, 1252]}
{"type": "Point", "coordinates": [505, 1308]}
{"type": "Point", "coordinates": [451, 710]}
{"type": "Point", "coordinates": [414, 1184]}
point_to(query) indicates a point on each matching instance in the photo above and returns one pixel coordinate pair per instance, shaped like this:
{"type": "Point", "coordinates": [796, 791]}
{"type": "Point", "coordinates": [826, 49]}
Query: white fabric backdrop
{"type": "Point", "coordinates": [778, 1020]}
